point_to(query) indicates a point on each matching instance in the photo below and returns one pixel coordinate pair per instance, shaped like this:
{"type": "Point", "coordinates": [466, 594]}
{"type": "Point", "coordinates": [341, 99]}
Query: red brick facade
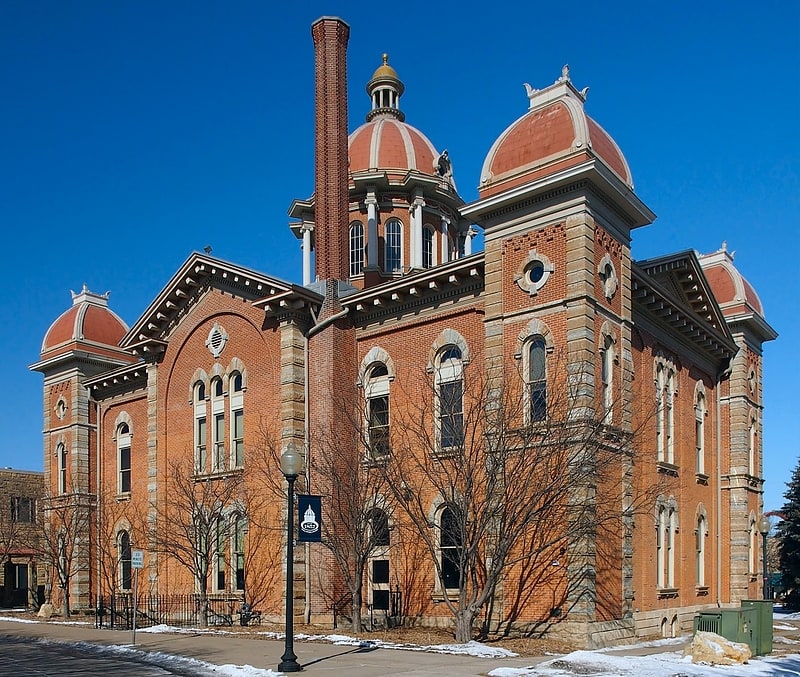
{"type": "Point", "coordinates": [648, 349]}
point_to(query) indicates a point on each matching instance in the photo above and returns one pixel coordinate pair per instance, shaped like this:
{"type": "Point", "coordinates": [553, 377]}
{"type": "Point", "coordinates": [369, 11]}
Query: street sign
{"type": "Point", "coordinates": [137, 559]}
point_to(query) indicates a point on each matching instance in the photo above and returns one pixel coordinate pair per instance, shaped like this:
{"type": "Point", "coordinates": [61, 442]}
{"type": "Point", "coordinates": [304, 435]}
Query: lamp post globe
{"type": "Point", "coordinates": [291, 467]}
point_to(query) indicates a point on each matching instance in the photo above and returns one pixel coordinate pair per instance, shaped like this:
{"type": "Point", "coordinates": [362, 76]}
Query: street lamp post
{"type": "Point", "coordinates": [763, 528]}
{"type": "Point", "coordinates": [291, 467]}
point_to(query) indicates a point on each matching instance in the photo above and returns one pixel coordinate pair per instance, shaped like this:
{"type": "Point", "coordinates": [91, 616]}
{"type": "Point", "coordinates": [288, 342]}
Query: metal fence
{"type": "Point", "coordinates": [116, 611]}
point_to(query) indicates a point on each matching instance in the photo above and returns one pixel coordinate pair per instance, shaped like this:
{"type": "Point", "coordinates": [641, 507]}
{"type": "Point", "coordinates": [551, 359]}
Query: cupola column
{"type": "Point", "coordinates": [372, 230]}
{"type": "Point", "coordinates": [307, 229]}
{"type": "Point", "coordinates": [416, 231]}
{"type": "Point", "coordinates": [445, 239]}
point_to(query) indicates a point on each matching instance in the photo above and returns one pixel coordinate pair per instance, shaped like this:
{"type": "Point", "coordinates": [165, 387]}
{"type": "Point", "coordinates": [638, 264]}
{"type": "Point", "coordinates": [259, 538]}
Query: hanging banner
{"type": "Point", "coordinates": [309, 518]}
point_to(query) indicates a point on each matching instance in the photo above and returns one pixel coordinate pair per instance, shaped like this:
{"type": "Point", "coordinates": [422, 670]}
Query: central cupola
{"type": "Point", "coordinates": [385, 90]}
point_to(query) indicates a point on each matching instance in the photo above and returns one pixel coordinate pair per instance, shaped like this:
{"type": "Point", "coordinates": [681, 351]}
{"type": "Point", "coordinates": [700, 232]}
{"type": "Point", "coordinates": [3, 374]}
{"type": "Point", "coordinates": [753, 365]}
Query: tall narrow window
{"type": "Point", "coordinates": [751, 448]}
{"type": "Point", "coordinates": [356, 248]}
{"type": "Point", "coordinates": [125, 564]}
{"type": "Point", "coordinates": [701, 550]}
{"type": "Point", "coordinates": [665, 418]}
{"type": "Point", "coordinates": [124, 458]}
{"type": "Point", "coordinates": [237, 420]}
{"type": "Point", "coordinates": [238, 550]}
{"type": "Point", "coordinates": [752, 547]}
{"type": "Point", "coordinates": [670, 417]}
{"type": "Point", "coordinates": [220, 561]}
{"type": "Point", "coordinates": [699, 431]}
{"type": "Point", "coordinates": [61, 457]}
{"type": "Point", "coordinates": [450, 398]}
{"type": "Point", "coordinates": [201, 436]}
{"type": "Point", "coordinates": [377, 394]}
{"type": "Point", "coordinates": [379, 559]}
{"type": "Point", "coordinates": [667, 526]}
{"type": "Point", "coordinates": [218, 430]}
{"type": "Point", "coordinates": [451, 545]}
{"type": "Point", "coordinates": [537, 379]}
{"type": "Point", "coordinates": [607, 378]}
{"type": "Point", "coordinates": [200, 428]}
{"type": "Point", "coordinates": [427, 247]}
{"type": "Point", "coordinates": [393, 247]}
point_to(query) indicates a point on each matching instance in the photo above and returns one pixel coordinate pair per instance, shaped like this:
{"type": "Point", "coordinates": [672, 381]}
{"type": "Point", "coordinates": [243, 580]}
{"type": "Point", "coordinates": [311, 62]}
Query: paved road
{"type": "Point", "coordinates": [24, 656]}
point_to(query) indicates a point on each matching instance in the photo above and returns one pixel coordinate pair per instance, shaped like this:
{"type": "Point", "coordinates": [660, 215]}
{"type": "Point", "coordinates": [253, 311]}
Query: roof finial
{"type": "Point", "coordinates": [564, 73]}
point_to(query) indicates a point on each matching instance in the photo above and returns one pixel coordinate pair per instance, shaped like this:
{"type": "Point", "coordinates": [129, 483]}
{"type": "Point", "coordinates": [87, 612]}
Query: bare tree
{"type": "Point", "coordinates": [192, 519]}
{"type": "Point", "coordinates": [523, 479]}
{"type": "Point", "coordinates": [114, 516]}
{"type": "Point", "coordinates": [62, 541]}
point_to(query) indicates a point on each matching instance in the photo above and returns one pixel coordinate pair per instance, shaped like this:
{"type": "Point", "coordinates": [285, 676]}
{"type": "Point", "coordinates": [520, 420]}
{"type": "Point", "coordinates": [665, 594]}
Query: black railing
{"type": "Point", "coordinates": [116, 611]}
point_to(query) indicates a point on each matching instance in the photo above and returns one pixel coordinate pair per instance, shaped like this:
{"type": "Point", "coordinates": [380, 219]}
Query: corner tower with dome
{"type": "Point", "coordinates": [399, 327]}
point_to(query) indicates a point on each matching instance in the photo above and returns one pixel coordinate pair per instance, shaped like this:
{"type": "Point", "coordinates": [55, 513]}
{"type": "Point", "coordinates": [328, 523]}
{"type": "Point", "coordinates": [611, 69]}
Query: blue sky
{"type": "Point", "coordinates": [135, 132]}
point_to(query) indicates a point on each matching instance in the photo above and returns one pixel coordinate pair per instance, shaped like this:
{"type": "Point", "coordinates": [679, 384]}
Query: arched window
{"type": "Point", "coordinates": [537, 379]}
{"type": "Point", "coordinates": [607, 379]}
{"type": "Point", "coordinates": [752, 547]}
{"type": "Point", "coordinates": [751, 448]}
{"type": "Point", "coordinates": [665, 418]}
{"type": "Point", "coordinates": [61, 459]}
{"type": "Point", "coordinates": [700, 547]}
{"type": "Point", "coordinates": [356, 248]}
{"type": "Point", "coordinates": [237, 420]}
{"type": "Point", "coordinates": [379, 559]}
{"type": "Point", "coordinates": [428, 249]}
{"type": "Point", "coordinates": [450, 398]}
{"type": "Point", "coordinates": [200, 428]}
{"type": "Point", "coordinates": [451, 545]}
{"type": "Point", "coordinates": [393, 247]}
{"type": "Point", "coordinates": [666, 528]}
{"type": "Point", "coordinates": [123, 459]}
{"type": "Point", "coordinates": [218, 430]}
{"type": "Point", "coordinates": [125, 567]}
{"type": "Point", "coordinates": [699, 431]}
{"type": "Point", "coordinates": [377, 395]}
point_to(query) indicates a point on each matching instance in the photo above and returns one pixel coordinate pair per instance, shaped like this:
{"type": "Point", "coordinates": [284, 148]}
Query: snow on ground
{"type": "Point", "coordinates": [599, 663]}
{"type": "Point", "coordinates": [167, 661]}
{"type": "Point", "coordinates": [658, 665]}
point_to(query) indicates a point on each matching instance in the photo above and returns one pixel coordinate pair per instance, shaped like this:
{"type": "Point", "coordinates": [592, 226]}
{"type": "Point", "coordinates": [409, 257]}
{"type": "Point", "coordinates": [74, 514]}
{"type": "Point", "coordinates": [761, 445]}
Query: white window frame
{"type": "Point", "coordinates": [356, 248]}
{"type": "Point", "coordinates": [218, 454]}
{"type": "Point", "coordinates": [376, 388]}
{"type": "Point", "coordinates": [124, 438]}
{"type": "Point", "coordinates": [449, 370]}
{"type": "Point", "coordinates": [393, 241]}
{"type": "Point", "coordinates": [428, 254]}
{"type": "Point", "coordinates": [531, 382]}
{"type": "Point", "coordinates": [236, 404]}
{"type": "Point", "coordinates": [700, 412]}
{"type": "Point", "coordinates": [62, 460]}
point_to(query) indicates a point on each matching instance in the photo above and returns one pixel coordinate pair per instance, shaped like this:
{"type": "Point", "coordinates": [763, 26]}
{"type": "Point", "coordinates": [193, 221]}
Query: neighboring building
{"type": "Point", "coordinates": [225, 355]}
{"type": "Point", "coordinates": [23, 573]}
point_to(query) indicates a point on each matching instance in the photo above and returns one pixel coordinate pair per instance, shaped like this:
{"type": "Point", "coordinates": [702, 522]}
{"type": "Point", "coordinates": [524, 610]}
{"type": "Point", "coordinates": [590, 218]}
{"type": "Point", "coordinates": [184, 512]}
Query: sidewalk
{"type": "Point", "coordinates": [315, 657]}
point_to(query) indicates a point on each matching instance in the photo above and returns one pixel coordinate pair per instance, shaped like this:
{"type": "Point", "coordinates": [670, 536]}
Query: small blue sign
{"type": "Point", "coordinates": [309, 518]}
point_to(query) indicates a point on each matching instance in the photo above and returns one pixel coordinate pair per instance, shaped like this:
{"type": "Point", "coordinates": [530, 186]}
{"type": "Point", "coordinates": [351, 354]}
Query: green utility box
{"type": "Point", "coordinates": [762, 631]}
{"type": "Point", "coordinates": [736, 625]}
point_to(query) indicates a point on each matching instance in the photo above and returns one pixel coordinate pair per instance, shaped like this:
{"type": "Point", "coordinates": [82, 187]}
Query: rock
{"type": "Point", "coordinates": [45, 611]}
{"type": "Point", "coordinates": [713, 649]}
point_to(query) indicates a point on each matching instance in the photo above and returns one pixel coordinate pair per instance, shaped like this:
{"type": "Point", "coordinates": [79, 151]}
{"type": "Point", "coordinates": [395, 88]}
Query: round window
{"type": "Point", "coordinates": [535, 272]}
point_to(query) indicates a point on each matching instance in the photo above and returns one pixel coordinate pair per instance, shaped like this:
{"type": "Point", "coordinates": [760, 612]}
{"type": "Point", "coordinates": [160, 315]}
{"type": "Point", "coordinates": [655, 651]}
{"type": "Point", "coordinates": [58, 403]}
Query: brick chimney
{"type": "Point", "coordinates": [330, 35]}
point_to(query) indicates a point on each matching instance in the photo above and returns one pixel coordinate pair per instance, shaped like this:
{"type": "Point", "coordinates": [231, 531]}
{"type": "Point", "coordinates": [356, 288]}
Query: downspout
{"type": "Point", "coordinates": [98, 507]}
{"type": "Point", "coordinates": [317, 327]}
{"type": "Point", "coordinates": [723, 374]}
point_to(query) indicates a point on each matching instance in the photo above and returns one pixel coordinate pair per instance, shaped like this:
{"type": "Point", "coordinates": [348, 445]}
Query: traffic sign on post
{"type": "Point", "coordinates": [137, 559]}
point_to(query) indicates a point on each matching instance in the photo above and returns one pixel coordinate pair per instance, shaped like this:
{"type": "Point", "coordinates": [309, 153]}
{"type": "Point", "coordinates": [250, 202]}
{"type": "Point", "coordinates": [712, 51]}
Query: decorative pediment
{"type": "Point", "coordinates": [674, 290]}
{"type": "Point", "coordinates": [199, 274]}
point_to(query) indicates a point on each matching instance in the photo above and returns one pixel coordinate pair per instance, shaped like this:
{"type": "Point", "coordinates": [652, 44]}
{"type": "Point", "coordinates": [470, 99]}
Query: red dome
{"type": "Point", "coordinates": [89, 320]}
{"type": "Point", "coordinates": [734, 294]}
{"type": "Point", "coordinates": [390, 144]}
{"type": "Point", "coordinates": [553, 135]}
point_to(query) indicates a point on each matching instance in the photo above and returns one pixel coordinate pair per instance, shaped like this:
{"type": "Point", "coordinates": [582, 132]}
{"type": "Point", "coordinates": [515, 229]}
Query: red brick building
{"type": "Point", "coordinates": [661, 358]}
